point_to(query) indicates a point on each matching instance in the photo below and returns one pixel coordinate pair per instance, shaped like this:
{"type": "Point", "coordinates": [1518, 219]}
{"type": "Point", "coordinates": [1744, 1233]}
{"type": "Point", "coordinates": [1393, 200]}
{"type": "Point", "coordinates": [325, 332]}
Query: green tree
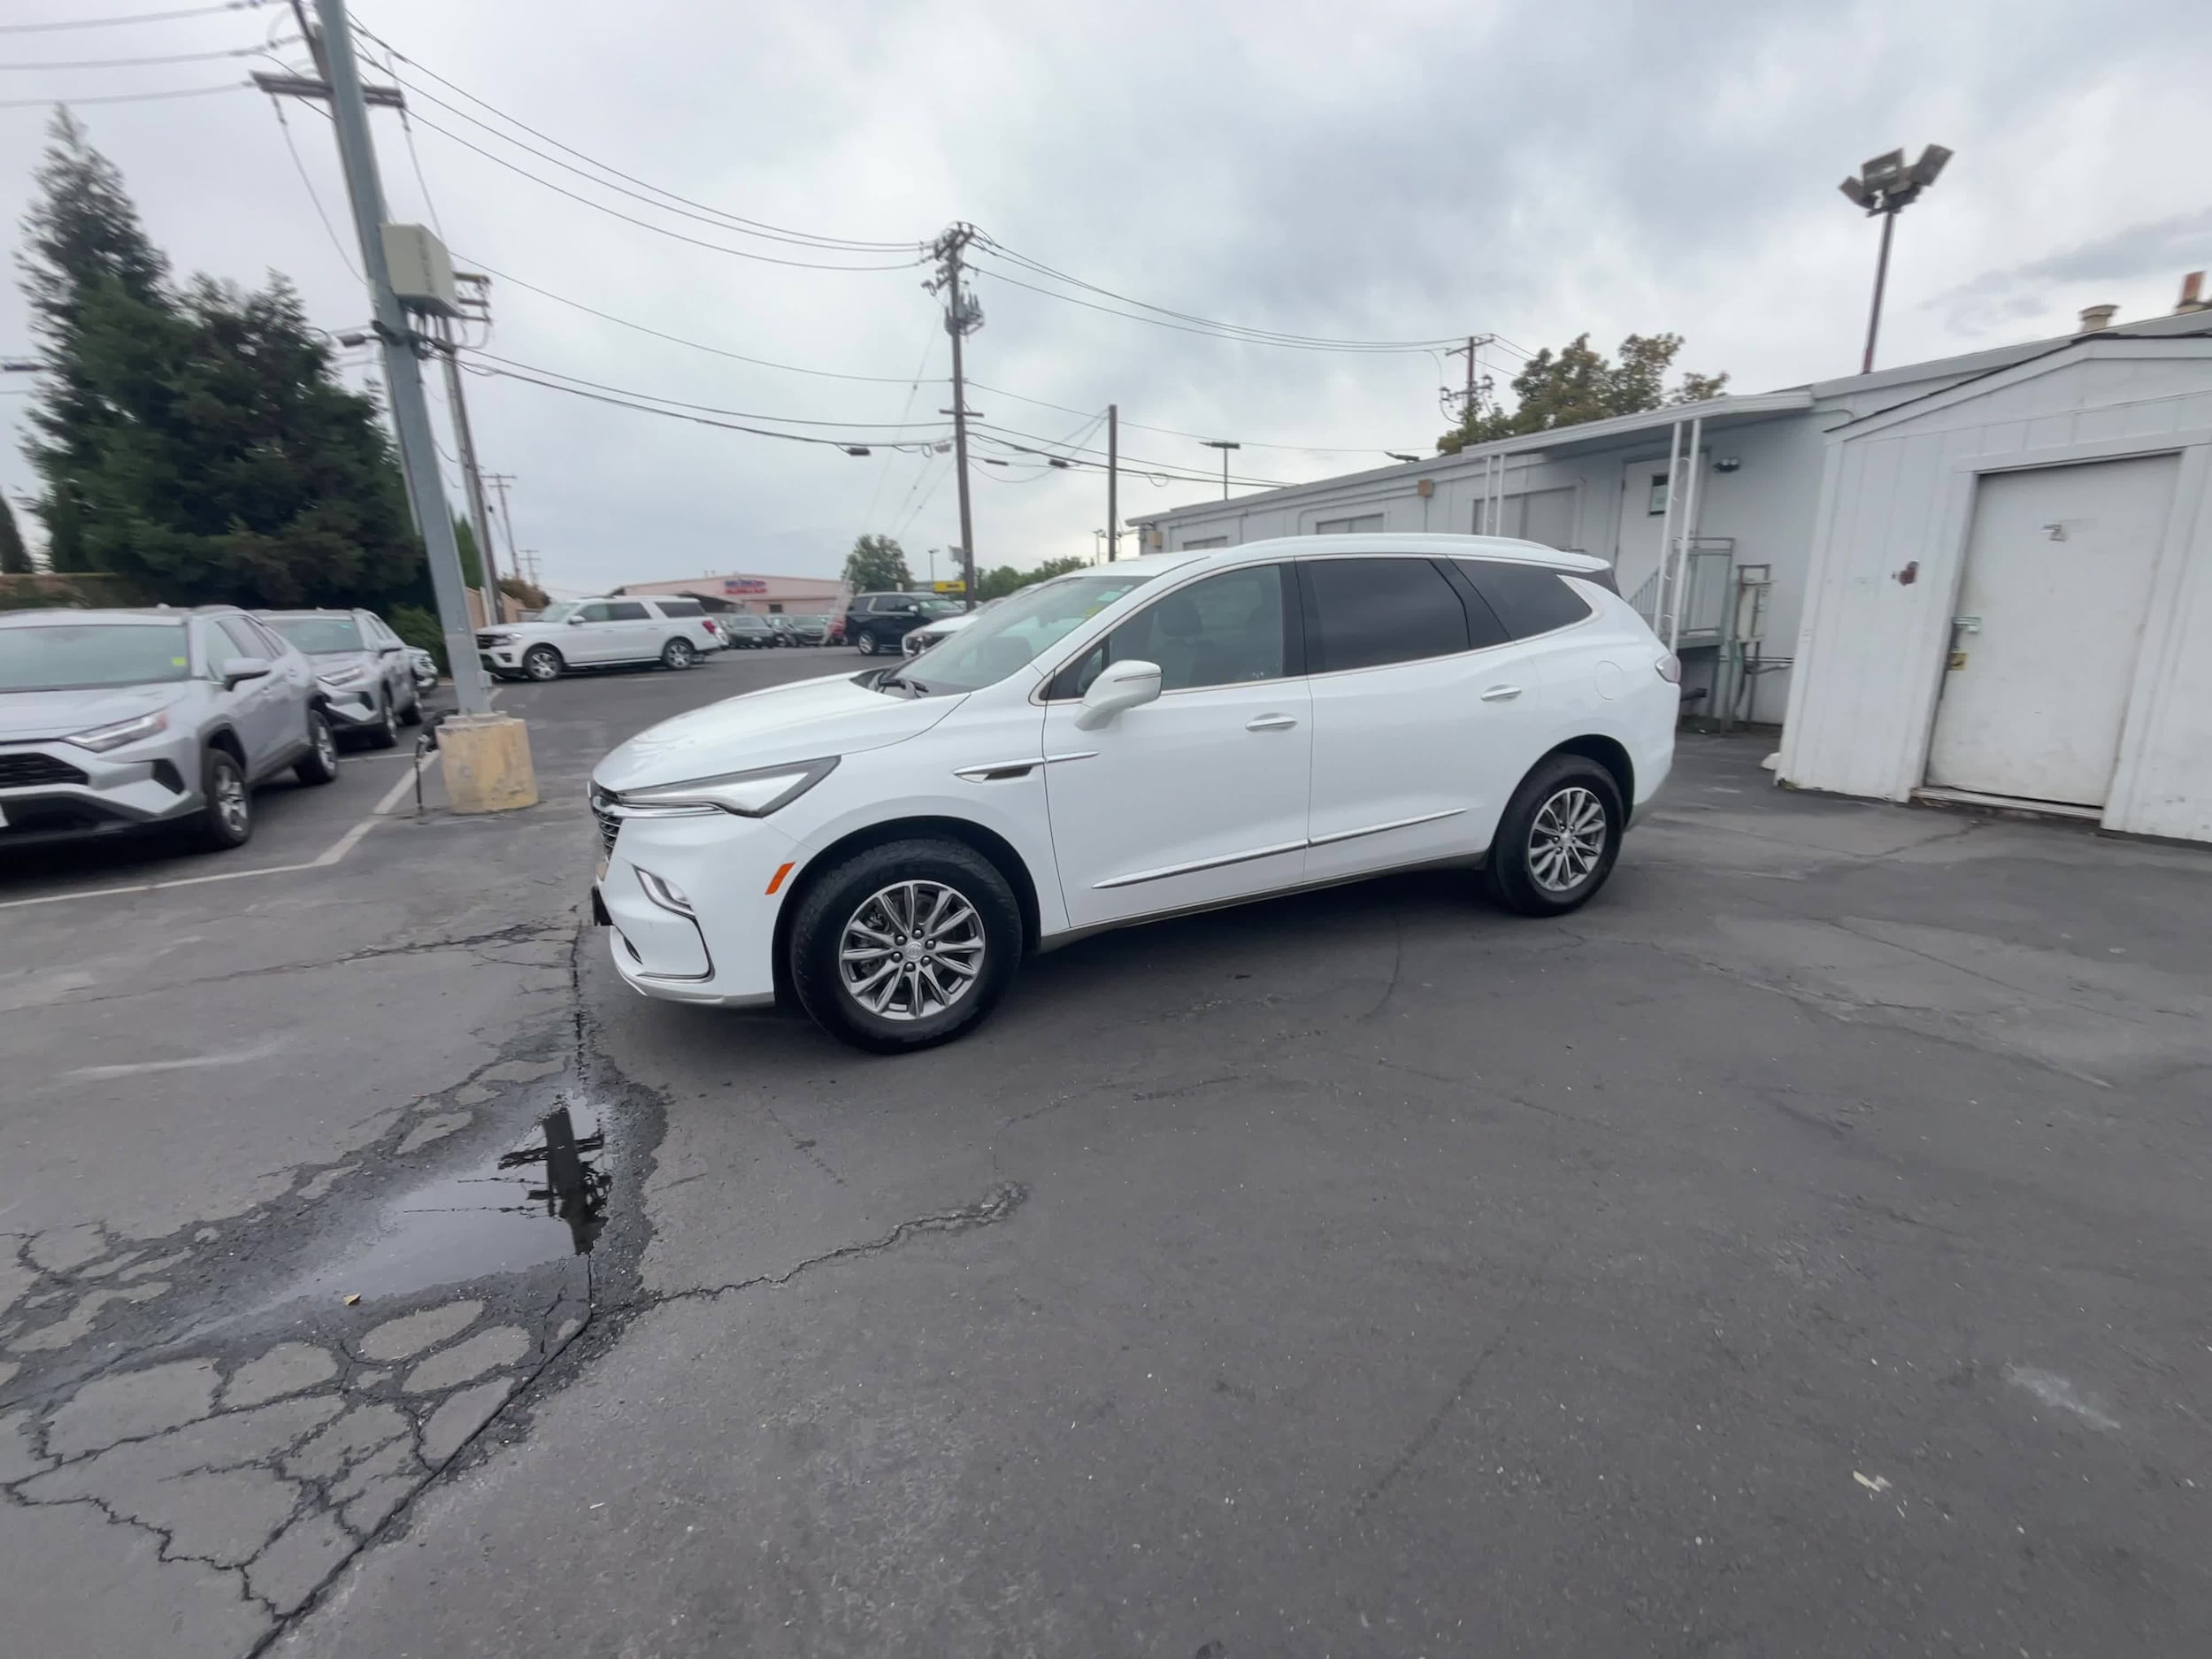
{"type": "Point", "coordinates": [196, 440]}
{"type": "Point", "coordinates": [15, 558]}
{"type": "Point", "coordinates": [1577, 384]}
{"type": "Point", "coordinates": [877, 564]}
{"type": "Point", "coordinates": [526, 594]}
{"type": "Point", "coordinates": [1003, 580]}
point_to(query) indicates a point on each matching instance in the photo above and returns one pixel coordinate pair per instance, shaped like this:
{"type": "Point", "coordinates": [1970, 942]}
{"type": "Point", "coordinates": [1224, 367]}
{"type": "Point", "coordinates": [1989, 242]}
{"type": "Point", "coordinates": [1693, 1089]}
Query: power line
{"type": "Point", "coordinates": [142, 17]}
{"type": "Point", "coordinates": [143, 63]}
{"type": "Point", "coordinates": [300, 166]}
{"type": "Point", "coordinates": [127, 97]}
{"type": "Point", "coordinates": [671, 414]}
{"type": "Point", "coordinates": [716, 247]}
{"type": "Point", "coordinates": [758, 227]}
{"type": "Point", "coordinates": [1172, 432]}
{"type": "Point", "coordinates": [737, 414]}
{"type": "Point", "coordinates": [1079, 449]}
{"type": "Point", "coordinates": [407, 127]}
{"type": "Point", "coordinates": [696, 345]}
{"type": "Point", "coordinates": [1263, 336]}
{"type": "Point", "coordinates": [906, 408]}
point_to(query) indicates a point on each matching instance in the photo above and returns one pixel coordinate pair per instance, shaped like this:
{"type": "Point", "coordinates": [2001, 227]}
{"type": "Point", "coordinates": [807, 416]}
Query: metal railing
{"type": "Point", "coordinates": [1706, 584]}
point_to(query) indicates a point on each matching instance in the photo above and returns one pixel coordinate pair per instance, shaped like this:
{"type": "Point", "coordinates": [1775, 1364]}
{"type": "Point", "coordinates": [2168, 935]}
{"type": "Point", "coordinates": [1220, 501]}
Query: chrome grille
{"type": "Point", "coordinates": [602, 811]}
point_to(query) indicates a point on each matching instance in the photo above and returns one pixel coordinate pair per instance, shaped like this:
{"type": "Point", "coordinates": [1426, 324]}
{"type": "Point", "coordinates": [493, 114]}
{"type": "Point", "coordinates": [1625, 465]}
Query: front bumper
{"type": "Point", "coordinates": [350, 708]}
{"type": "Point", "coordinates": [54, 792]}
{"type": "Point", "coordinates": [722, 952]}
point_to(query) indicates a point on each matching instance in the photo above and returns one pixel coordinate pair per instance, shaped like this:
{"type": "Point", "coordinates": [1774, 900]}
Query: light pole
{"type": "Point", "coordinates": [1224, 446]}
{"type": "Point", "coordinates": [1887, 186]}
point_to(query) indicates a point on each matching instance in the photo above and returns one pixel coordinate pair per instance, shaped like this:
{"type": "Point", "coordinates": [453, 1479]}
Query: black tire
{"type": "Point", "coordinates": [542, 662]}
{"type": "Point", "coordinates": [840, 897]}
{"type": "Point", "coordinates": [411, 715]}
{"type": "Point", "coordinates": [1518, 876]}
{"type": "Point", "coordinates": [867, 643]}
{"type": "Point", "coordinates": [319, 764]}
{"type": "Point", "coordinates": [227, 821]}
{"type": "Point", "coordinates": [678, 654]}
{"type": "Point", "coordinates": [384, 732]}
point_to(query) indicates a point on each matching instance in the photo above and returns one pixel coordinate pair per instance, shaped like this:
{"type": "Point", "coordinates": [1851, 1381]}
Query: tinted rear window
{"type": "Point", "coordinates": [1527, 598]}
{"type": "Point", "coordinates": [627, 611]}
{"type": "Point", "coordinates": [1363, 612]}
{"type": "Point", "coordinates": [679, 607]}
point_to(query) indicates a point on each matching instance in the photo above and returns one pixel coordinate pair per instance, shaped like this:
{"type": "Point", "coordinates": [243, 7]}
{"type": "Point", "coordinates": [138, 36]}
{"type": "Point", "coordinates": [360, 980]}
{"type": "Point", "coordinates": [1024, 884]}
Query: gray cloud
{"type": "Point", "coordinates": [2160, 248]}
{"type": "Point", "coordinates": [1424, 169]}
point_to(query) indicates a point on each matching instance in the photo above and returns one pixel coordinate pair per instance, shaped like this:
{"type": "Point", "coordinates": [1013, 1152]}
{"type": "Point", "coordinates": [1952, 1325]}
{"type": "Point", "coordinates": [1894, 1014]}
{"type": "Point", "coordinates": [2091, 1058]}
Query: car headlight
{"type": "Point", "coordinates": [101, 739]}
{"type": "Point", "coordinates": [747, 794]}
{"type": "Point", "coordinates": [499, 638]}
{"type": "Point", "coordinates": [352, 676]}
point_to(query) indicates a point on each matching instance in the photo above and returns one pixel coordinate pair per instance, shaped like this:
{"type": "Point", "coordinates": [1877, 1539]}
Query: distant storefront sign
{"type": "Point", "coordinates": [743, 585]}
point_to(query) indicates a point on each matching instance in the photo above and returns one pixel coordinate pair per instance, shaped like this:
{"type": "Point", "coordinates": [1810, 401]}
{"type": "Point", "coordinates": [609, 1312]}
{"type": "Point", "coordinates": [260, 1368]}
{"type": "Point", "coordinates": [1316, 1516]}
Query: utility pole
{"type": "Point", "coordinates": [1113, 480]}
{"type": "Point", "coordinates": [963, 317]}
{"type": "Point", "coordinates": [403, 373]}
{"type": "Point", "coordinates": [1472, 397]}
{"type": "Point", "coordinates": [480, 519]}
{"type": "Point", "coordinates": [499, 482]}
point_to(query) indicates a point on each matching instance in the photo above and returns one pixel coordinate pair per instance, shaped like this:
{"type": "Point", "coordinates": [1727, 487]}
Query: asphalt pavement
{"type": "Point", "coordinates": [1801, 1250]}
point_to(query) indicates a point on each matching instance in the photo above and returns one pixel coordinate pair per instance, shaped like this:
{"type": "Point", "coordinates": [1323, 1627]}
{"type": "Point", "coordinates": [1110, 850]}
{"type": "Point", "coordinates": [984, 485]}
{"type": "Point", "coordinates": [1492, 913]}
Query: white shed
{"type": "Point", "coordinates": [2009, 598]}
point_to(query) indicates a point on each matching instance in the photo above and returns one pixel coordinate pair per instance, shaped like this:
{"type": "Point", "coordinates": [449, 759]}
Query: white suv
{"type": "Point", "coordinates": [599, 633]}
{"type": "Point", "coordinates": [1168, 733]}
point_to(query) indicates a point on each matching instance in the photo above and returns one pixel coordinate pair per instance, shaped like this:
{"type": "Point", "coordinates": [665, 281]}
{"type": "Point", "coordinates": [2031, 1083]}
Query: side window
{"type": "Point", "coordinates": [1527, 598]}
{"type": "Point", "coordinates": [1227, 630]}
{"type": "Point", "coordinates": [240, 639]}
{"type": "Point", "coordinates": [679, 607]}
{"type": "Point", "coordinates": [598, 612]}
{"type": "Point", "coordinates": [629, 611]}
{"type": "Point", "coordinates": [1366, 613]}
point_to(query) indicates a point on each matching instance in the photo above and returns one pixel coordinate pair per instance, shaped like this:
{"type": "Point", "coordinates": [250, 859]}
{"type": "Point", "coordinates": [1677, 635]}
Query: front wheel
{"type": "Point", "coordinates": [1557, 840]}
{"type": "Point", "coordinates": [411, 715]}
{"type": "Point", "coordinates": [226, 820]}
{"type": "Point", "coordinates": [867, 644]}
{"type": "Point", "coordinates": [385, 732]}
{"type": "Point", "coordinates": [319, 764]}
{"type": "Point", "coordinates": [677, 654]}
{"type": "Point", "coordinates": [906, 944]}
{"type": "Point", "coordinates": [542, 662]}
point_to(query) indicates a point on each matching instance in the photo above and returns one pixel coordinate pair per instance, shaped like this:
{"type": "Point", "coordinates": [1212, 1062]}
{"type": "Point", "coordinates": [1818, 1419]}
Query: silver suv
{"type": "Point", "coordinates": [114, 720]}
{"type": "Point", "coordinates": [365, 672]}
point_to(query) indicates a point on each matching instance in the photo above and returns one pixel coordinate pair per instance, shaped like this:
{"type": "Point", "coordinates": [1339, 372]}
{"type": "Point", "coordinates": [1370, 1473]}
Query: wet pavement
{"type": "Point", "coordinates": [1799, 1251]}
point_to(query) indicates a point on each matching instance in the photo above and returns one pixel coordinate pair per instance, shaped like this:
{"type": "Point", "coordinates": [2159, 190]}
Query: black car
{"type": "Point", "coordinates": [804, 630]}
{"type": "Point", "coordinates": [746, 632]}
{"type": "Point", "coordinates": [878, 622]}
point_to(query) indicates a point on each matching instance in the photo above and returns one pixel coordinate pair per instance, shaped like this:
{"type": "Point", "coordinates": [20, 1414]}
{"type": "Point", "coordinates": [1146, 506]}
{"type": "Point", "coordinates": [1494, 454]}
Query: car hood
{"type": "Point", "coordinates": [338, 662]}
{"type": "Point", "coordinates": [31, 716]}
{"type": "Point", "coordinates": [805, 720]}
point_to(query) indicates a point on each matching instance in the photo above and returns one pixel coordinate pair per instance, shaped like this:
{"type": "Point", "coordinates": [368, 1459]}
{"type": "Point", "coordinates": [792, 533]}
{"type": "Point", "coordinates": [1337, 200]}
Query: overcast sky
{"type": "Point", "coordinates": [1354, 171]}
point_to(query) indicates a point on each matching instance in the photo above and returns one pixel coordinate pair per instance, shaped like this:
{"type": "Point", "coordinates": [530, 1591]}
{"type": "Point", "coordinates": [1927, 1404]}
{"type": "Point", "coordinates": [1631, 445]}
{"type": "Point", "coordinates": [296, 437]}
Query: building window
{"type": "Point", "coordinates": [1197, 543]}
{"type": "Point", "coordinates": [1655, 505]}
{"type": "Point", "coordinates": [1363, 524]}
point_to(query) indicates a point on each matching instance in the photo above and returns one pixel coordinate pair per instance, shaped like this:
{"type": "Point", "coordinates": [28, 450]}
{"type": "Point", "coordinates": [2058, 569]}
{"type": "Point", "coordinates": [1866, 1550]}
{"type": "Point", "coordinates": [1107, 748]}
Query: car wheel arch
{"type": "Point", "coordinates": [1604, 751]}
{"type": "Point", "coordinates": [224, 739]}
{"type": "Point", "coordinates": [986, 843]}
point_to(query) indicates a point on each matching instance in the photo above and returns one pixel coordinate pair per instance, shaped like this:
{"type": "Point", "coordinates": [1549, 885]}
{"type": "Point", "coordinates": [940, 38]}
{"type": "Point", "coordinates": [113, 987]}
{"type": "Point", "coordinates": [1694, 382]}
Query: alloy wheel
{"type": "Point", "coordinates": [1566, 839]}
{"type": "Point", "coordinates": [911, 951]}
{"type": "Point", "coordinates": [230, 799]}
{"type": "Point", "coordinates": [326, 746]}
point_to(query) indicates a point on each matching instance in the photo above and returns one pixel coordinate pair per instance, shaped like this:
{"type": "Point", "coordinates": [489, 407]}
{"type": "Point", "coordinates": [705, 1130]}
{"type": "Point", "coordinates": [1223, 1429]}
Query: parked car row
{"type": "Point", "coordinates": [1164, 734]}
{"type": "Point", "coordinates": [601, 634]}
{"type": "Point", "coordinates": [112, 721]}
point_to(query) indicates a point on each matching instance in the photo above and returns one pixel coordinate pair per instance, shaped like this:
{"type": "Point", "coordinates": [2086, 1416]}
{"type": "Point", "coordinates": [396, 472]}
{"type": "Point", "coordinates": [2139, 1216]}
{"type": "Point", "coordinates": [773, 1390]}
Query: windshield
{"type": "Point", "coordinates": [557, 613]}
{"type": "Point", "coordinates": [1017, 630]}
{"type": "Point", "coordinates": [73, 656]}
{"type": "Point", "coordinates": [942, 608]}
{"type": "Point", "coordinates": [318, 636]}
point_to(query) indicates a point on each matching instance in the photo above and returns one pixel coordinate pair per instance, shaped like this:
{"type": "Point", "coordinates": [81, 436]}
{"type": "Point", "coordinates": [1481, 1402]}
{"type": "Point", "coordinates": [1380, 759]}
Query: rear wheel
{"type": "Point", "coordinates": [677, 654]}
{"type": "Point", "coordinates": [319, 764]}
{"type": "Point", "coordinates": [411, 715]}
{"type": "Point", "coordinates": [542, 662]}
{"type": "Point", "coordinates": [226, 820]}
{"type": "Point", "coordinates": [905, 946]}
{"type": "Point", "coordinates": [1558, 838]}
{"type": "Point", "coordinates": [866, 642]}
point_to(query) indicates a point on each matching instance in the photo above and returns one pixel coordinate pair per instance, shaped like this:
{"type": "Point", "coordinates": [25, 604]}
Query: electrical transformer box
{"type": "Point", "coordinates": [421, 270]}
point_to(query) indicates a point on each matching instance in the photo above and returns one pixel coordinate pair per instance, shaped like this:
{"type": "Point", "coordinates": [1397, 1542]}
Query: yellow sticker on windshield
{"type": "Point", "coordinates": [177, 662]}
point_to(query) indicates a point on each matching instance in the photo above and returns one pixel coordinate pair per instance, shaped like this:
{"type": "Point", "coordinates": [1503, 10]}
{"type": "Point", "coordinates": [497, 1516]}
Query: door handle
{"type": "Point", "coordinates": [1500, 693]}
{"type": "Point", "coordinates": [1272, 723]}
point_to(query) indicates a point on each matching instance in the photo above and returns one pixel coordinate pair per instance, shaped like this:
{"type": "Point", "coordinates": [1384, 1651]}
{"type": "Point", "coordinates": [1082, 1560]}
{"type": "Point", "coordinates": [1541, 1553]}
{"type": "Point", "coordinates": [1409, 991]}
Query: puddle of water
{"type": "Point", "coordinates": [541, 1200]}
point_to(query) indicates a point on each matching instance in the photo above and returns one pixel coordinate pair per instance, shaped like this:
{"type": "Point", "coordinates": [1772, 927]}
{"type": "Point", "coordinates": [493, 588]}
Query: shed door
{"type": "Point", "coordinates": [1637, 550]}
{"type": "Point", "coordinates": [2058, 575]}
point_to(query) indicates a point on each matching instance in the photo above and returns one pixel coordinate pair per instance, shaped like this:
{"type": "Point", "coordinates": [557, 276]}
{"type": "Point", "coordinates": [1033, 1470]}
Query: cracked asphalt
{"type": "Point", "coordinates": [1802, 1250]}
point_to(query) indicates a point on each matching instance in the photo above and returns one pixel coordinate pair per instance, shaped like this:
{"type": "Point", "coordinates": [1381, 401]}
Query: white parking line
{"type": "Point", "coordinates": [322, 860]}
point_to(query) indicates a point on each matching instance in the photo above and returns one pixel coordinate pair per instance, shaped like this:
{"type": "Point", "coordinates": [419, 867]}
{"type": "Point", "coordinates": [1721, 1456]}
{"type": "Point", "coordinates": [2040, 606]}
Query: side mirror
{"type": "Point", "coordinates": [575, 622]}
{"type": "Point", "coordinates": [244, 668]}
{"type": "Point", "coordinates": [388, 650]}
{"type": "Point", "coordinates": [1119, 686]}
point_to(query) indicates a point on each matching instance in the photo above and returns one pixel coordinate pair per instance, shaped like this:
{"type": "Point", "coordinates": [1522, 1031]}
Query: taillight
{"type": "Point", "coordinates": [1669, 667]}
